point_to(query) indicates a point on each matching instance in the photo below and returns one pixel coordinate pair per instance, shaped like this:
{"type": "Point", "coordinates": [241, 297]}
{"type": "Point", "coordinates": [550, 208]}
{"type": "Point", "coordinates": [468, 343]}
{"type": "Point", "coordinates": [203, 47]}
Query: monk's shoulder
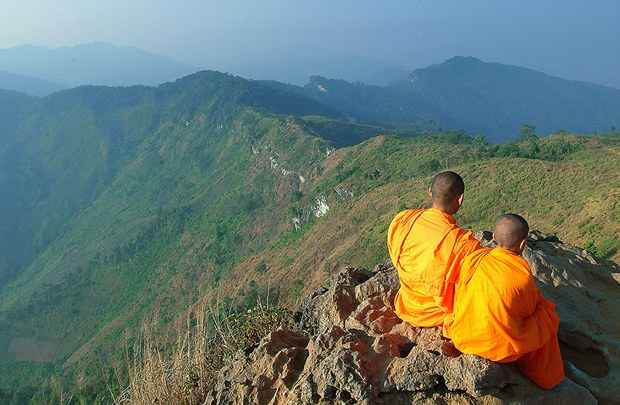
{"type": "Point", "coordinates": [466, 239]}
{"type": "Point", "coordinates": [409, 211]}
{"type": "Point", "coordinates": [474, 257]}
{"type": "Point", "coordinates": [470, 264]}
{"type": "Point", "coordinates": [405, 215]}
{"type": "Point", "coordinates": [521, 278]}
{"type": "Point", "coordinates": [525, 271]}
{"type": "Point", "coordinates": [462, 233]}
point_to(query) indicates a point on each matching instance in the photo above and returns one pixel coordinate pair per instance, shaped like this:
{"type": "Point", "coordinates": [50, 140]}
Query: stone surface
{"type": "Point", "coordinates": [351, 348]}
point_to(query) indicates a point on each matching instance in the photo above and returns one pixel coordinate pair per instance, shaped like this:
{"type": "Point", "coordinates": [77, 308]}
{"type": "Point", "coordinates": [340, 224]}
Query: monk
{"type": "Point", "coordinates": [427, 247]}
{"type": "Point", "coordinates": [500, 314]}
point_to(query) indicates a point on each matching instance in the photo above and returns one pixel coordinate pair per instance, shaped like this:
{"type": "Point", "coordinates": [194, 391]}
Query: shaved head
{"type": "Point", "coordinates": [510, 231]}
{"type": "Point", "coordinates": [446, 189]}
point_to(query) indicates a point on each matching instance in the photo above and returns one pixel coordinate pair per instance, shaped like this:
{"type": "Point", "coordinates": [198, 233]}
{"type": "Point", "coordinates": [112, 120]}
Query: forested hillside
{"type": "Point", "coordinates": [127, 204]}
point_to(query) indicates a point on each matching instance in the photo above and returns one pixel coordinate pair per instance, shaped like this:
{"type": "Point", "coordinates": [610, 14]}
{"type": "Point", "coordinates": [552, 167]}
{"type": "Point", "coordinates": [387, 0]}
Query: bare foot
{"type": "Point", "coordinates": [448, 349]}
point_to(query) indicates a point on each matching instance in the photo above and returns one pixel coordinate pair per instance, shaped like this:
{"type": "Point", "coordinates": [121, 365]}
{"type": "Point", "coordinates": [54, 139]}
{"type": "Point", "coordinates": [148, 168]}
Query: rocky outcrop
{"type": "Point", "coordinates": [587, 295]}
{"type": "Point", "coordinates": [351, 348]}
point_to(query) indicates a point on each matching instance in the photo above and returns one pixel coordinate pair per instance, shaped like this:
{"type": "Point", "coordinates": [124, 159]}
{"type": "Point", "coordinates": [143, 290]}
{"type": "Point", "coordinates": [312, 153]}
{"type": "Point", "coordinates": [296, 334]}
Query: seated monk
{"type": "Point", "coordinates": [500, 314]}
{"type": "Point", "coordinates": [427, 247]}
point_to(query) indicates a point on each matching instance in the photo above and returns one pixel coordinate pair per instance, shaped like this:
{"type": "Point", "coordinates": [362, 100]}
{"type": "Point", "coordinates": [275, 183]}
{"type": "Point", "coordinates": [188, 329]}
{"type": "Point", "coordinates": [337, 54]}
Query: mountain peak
{"type": "Point", "coordinates": [456, 63]}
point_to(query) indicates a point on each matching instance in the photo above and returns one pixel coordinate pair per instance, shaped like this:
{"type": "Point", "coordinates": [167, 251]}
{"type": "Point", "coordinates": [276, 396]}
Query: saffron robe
{"type": "Point", "coordinates": [427, 248]}
{"type": "Point", "coordinates": [501, 315]}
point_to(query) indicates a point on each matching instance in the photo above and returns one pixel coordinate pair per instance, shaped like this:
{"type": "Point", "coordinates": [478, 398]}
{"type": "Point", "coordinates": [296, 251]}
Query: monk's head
{"type": "Point", "coordinates": [511, 232]}
{"type": "Point", "coordinates": [447, 191]}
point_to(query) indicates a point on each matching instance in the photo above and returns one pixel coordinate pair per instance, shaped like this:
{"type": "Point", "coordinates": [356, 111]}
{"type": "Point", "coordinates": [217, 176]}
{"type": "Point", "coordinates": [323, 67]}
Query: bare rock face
{"type": "Point", "coordinates": [351, 348]}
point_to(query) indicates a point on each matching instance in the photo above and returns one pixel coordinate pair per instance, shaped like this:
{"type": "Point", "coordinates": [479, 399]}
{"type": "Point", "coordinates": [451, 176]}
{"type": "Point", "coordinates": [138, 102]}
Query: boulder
{"type": "Point", "coordinates": [351, 348]}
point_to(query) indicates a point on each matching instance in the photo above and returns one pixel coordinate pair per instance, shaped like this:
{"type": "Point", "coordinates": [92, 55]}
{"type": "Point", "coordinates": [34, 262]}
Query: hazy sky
{"type": "Point", "coordinates": [290, 39]}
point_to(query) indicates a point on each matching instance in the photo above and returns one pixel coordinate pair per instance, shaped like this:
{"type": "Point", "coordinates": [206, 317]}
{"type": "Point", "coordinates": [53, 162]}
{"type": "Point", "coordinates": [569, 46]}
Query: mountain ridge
{"type": "Point", "coordinates": [462, 93]}
{"type": "Point", "coordinates": [26, 84]}
{"type": "Point", "coordinates": [461, 59]}
{"type": "Point", "coordinates": [92, 63]}
{"type": "Point", "coordinates": [465, 93]}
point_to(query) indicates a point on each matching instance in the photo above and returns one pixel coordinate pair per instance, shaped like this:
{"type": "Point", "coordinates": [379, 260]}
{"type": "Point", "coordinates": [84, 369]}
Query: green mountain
{"type": "Point", "coordinates": [465, 93]}
{"type": "Point", "coordinates": [92, 63]}
{"type": "Point", "coordinates": [127, 204]}
{"type": "Point", "coordinates": [61, 152]}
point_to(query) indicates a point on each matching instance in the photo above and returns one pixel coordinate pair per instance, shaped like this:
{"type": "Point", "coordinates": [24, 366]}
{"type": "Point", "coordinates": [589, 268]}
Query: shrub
{"type": "Point", "coordinates": [591, 248]}
{"type": "Point", "coordinates": [185, 373]}
{"type": "Point", "coordinates": [261, 268]}
{"type": "Point", "coordinates": [608, 248]}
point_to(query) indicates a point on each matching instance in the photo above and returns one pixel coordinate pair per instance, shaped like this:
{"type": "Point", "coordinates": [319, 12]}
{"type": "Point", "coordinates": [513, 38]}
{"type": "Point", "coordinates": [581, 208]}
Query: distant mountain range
{"type": "Point", "coordinates": [465, 93]}
{"type": "Point", "coordinates": [95, 64]}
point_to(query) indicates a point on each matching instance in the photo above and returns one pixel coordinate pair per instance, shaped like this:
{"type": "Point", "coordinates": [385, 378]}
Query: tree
{"type": "Point", "coordinates": [480, 140]}
{"type": "Point", "coordinates": [528, 132]}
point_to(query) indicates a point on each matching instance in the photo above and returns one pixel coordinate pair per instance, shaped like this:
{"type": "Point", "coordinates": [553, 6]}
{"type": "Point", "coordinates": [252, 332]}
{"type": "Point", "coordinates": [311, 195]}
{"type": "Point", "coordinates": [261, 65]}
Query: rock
{"type": "Point", "coordinates": [333, 306]}
{"type": "Point", "coordinates": [587, 296]}
{"type": "Point", "coordinates": [264, 375]}
{"type": "Point", "coordinates": [351, 348]}
{"type": "Point", "coordinates": [538, 236]}
{"type": "Point", "coordinates": [485, 236]}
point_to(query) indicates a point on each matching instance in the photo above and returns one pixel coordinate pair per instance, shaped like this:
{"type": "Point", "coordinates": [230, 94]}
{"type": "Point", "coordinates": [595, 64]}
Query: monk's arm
{"type": "Point", "coordinates": [540, 320]}
{"type": "Point", "coordinates": [466, 244]}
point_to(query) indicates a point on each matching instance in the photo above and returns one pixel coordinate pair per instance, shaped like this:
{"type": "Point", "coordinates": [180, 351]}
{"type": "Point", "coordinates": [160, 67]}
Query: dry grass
{"type": "Point", "coordinates": [184, 374]}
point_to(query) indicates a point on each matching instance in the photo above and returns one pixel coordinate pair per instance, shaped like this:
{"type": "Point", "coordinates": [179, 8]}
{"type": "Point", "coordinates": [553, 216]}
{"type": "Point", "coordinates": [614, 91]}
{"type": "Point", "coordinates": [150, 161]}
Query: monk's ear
{"type": "Point", "coordinates": [461, 198]}
{"type": "Point", "coordinates": [430, 193]}
{"type": "Point", "coordinates": [522, 245]}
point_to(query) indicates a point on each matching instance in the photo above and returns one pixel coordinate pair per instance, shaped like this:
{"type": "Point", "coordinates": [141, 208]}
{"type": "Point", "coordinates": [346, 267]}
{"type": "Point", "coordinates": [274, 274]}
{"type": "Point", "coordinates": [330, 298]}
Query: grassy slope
{"type": "Point", "coordinates": [184, 210]}
{"type": "Point", "coordinates": [576, 197]}
{"type": "Point", "coordinates": [228, 232]}
{"type": "Point", "coordinates": [58, 158]}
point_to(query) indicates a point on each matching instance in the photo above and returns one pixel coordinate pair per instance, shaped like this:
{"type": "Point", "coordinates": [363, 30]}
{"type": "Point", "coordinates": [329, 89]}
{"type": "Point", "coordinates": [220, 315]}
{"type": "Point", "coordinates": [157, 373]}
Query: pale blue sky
{"type": "Point", "coordinates": [291, 39]}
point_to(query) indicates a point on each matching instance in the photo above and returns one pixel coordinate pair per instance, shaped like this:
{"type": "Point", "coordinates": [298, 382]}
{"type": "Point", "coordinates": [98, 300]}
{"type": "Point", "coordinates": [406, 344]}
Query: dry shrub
{"type": "Point", "coordinates": [184, 373]}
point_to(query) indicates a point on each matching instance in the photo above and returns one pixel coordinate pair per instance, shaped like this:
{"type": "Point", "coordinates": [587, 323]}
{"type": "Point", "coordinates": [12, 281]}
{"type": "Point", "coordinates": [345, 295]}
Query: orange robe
{"type": "Point", "coordinates": [501, 315]}
{"type": "Point", "coordinates": [427, 248]}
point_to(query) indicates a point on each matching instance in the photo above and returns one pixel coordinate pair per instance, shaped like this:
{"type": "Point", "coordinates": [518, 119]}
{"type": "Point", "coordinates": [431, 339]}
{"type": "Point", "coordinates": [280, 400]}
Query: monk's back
{"type": "Point", "coordinates": [500, 314]}
{"type": "Point", "coordinates": [426, 247]}
{"type": "Point", "coordinates": [505, 277]}
{"type": "Point", "coordinates": [422, 243]}
{"type": "Point", "coordinates": [504, 290]}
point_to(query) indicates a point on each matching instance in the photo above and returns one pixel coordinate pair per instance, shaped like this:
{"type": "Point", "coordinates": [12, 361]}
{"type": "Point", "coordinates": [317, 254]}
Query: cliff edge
{"type": "Point", "coordinates": [350, 347]}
